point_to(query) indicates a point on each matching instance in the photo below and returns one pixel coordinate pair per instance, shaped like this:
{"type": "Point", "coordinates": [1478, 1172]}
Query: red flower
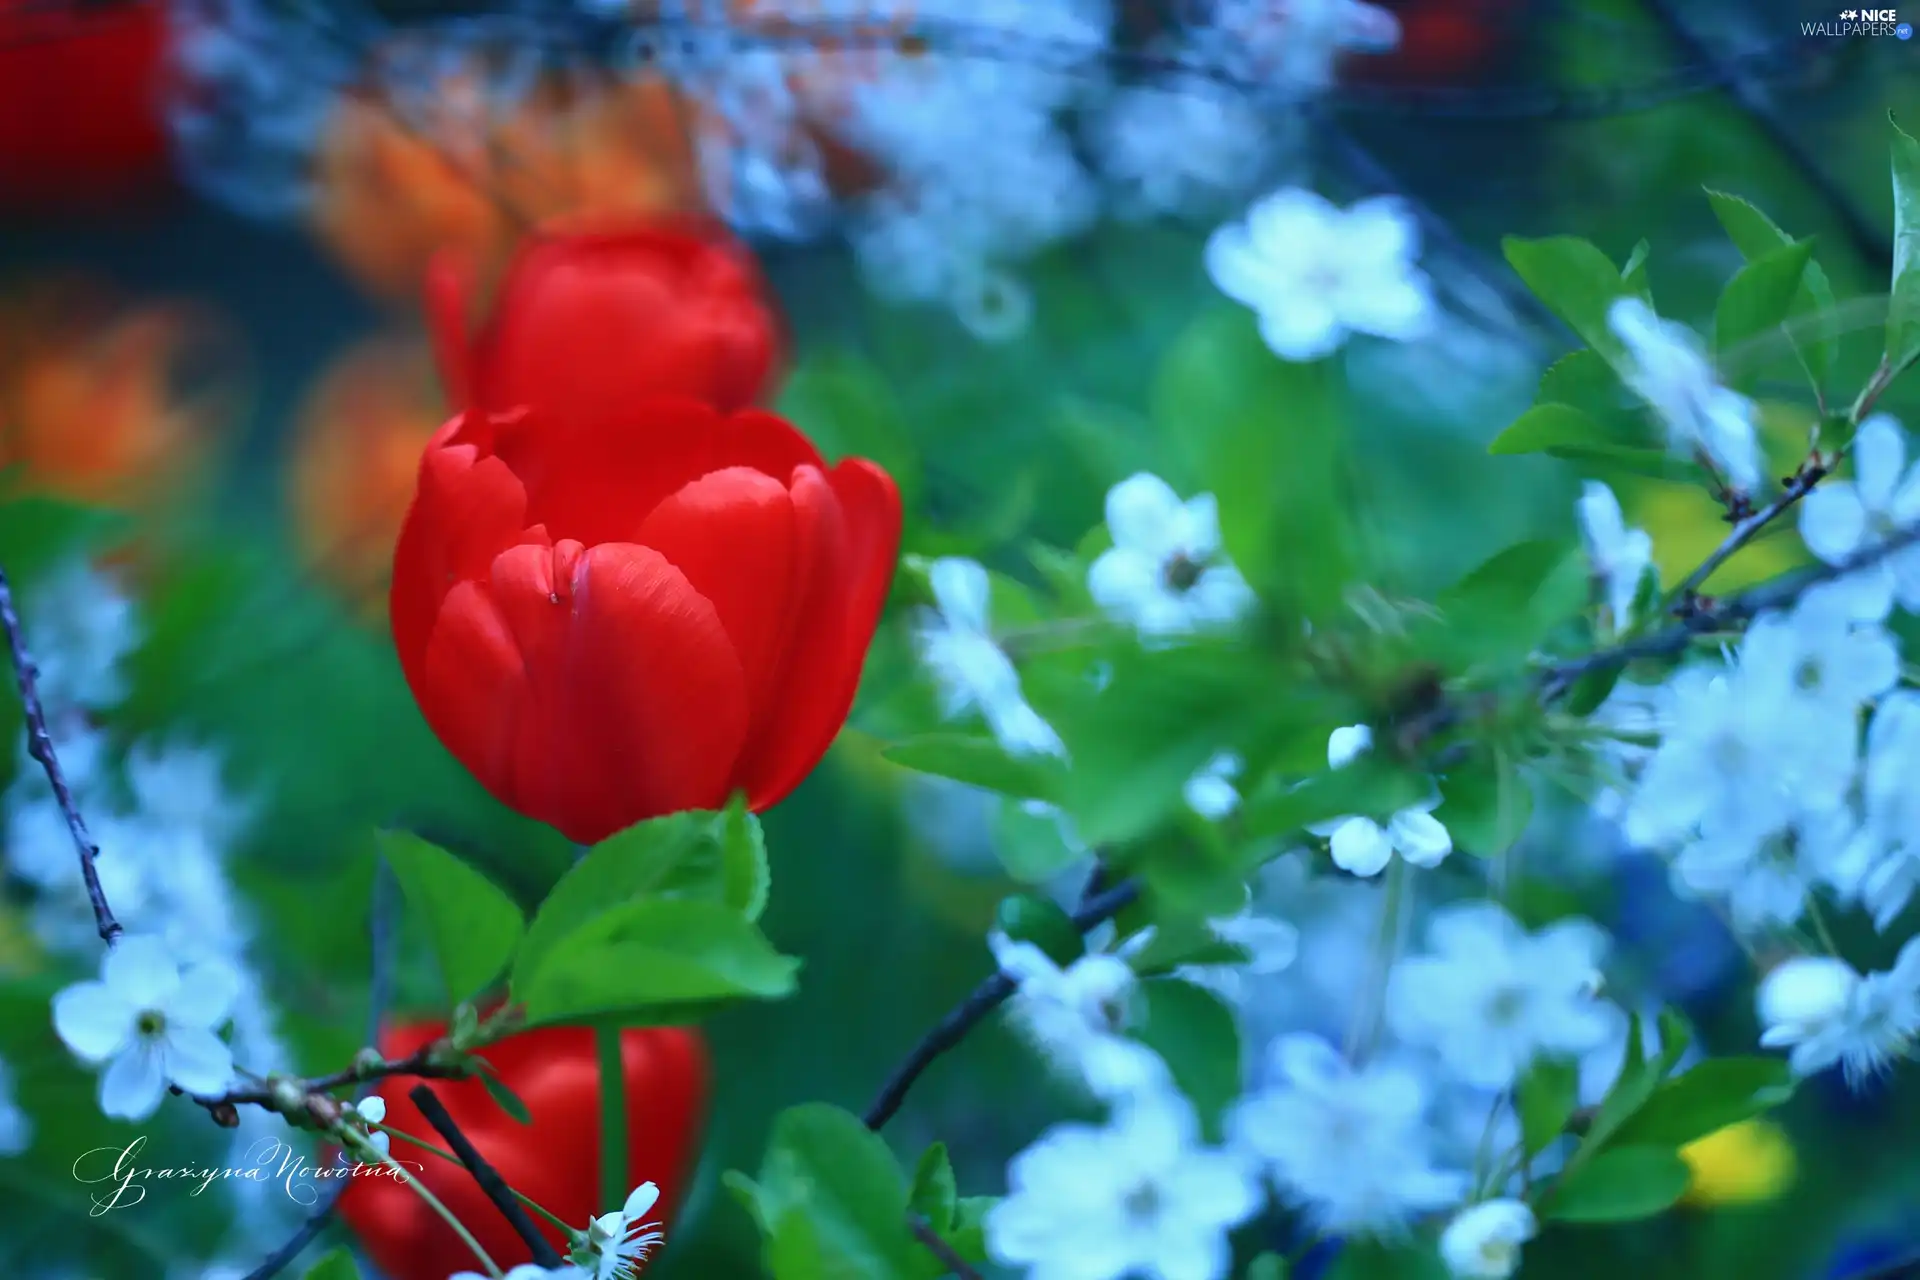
{"type": "Point", "coordinates": [555, 1160]}
{"type": "Point", "coordinates": [587, 323]}
{"type": "Point", "coordinates": [615, 618]}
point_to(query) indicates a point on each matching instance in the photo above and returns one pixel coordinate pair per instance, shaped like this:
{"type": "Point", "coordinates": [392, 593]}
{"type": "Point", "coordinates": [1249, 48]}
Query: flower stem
{"type": "Point", "coordinates": [446, 1215]}
{"type": "Point", "coordinates": [613, 1119]}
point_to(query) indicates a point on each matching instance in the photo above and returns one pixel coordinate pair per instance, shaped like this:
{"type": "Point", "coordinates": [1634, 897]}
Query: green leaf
{"type": "Point", "coordinates": [969, 1238]}
{"type": "Point", "coordinates": [747, 1192]}
{"type": "Point", "coordinates": [1267, 1266]}
{"type": "Point", "coordinates": [1550, 426]}
{"type": "Point", "coordinates": [473, 925]}
{"type": "Point", "coordinates": [1508, 603]}
{"type": "Point", "coordinates": [642, 958]}
{"type": "Point", "coordinates": [1657, 464]}
{"type": "Point", "coordinates": [1372, 786]}
{"type": "Point", "coordinates": [1031, 845]}
{"type": "Point", "coordinates": [1760, 296]}
{"type": "Point", "coordinates": [935, 1195]}
{"type": "Point", "coordinates": [1486, 804]}
{"type": "Point", "coordinates": [1637, 1080]}
{"type": "Point", "coordinates": [794, 1251]}
{"type": "Point", "coordinates": [1267, 437]}
{"type": "Point", "coordinates": [1755, 235]}
{"type": "Point", "coordinates": [1576, 281]}
{"type": "Point", "coordinates": [338, 1264]}
{"type": "Point", "coordinates": [697, 855]}
{"type": "Point", "coordinates": [980, 762]}
{"type": "Point", "coordinates": [1903, 308]}
{"type": "Point", "coordinates": [846, 408]}
{"type": "Point", "coordinates": [1545, 1100]}
{"type": "Point", "coordinates": [1624, 1184]}
{"type": "Point", "coordinates": [1634, 274]}
{"type": "Point", "coordinates": [1028, 917]}
{"type": "Point", "coordinates": [1179, 940]}
{"type": "Point", "coordinates": [1110, 443]}
{"type": "Point", "coordinates": [1713, 1094]}
{"type": "Point", "coordinates": [503, 1097]}
{"type": "Point", "coordinates": [1592, 689]}
{"type": "Point", "coordinates": [1364, 1259]}
{"type": "Point", "coordinates": [821, 1162]}
{"type": "Point", "coordinates": [1586, 381]}
{"type": "Point", "coordinates": [1194, 1031]}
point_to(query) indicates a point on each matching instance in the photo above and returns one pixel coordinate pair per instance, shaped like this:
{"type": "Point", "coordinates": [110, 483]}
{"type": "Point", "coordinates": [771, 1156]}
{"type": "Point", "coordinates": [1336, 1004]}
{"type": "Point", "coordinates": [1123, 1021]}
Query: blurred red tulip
{"type": "Point", "coordinates": [555, 1161]}
{"type": "Point", "coordinates": [81, 115]}
{"type": "Point", "coordinates": [590, 321]}
{"type": "Point", "coordinates": [641, 610]}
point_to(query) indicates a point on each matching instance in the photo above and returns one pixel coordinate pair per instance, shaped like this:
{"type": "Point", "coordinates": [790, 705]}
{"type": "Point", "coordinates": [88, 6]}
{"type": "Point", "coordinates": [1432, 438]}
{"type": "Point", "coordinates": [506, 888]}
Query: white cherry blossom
{"type": "Point", "coordinates": [1666, 367]}
{"type": "Point", "coordinates": [972, 671]}
{"type": "Point", "coordinates": [1841, 518]}
{"type": "Point", "coordinates": [1165, 574]}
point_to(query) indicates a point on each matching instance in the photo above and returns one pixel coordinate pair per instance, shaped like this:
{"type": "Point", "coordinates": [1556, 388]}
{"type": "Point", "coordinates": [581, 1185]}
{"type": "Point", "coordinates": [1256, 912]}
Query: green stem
{"type": "Point", "coordinates": [613, 1119]}
{"type": "Point", "coordinates": [572, 1232]}
{"type": "Point", "coordinates": [433, 1203]}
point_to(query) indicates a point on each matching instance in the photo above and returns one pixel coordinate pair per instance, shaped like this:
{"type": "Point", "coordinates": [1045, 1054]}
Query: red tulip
{"type": "Point", "coordinates": [621, 617]}
{"type": "Point", "coordinates": [587, 323]}
{"type": "Point", "coordinates": [555, 1160]}
{"type": "Point", "coordinates": [80, 100]}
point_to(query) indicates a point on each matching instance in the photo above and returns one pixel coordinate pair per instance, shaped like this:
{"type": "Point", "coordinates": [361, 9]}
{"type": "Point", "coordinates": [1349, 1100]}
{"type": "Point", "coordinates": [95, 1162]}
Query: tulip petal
{"type": "Point", "coordinates": [732, 533]}
{"type": "Point", "coordinates": [588, 688]}
{"type": "Point", "coordinates": [849, 524]}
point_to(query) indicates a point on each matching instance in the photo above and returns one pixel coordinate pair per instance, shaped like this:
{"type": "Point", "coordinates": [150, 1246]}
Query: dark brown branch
{"type": "Point", "coordinates": [1797, 487]}
{"type": "Point", "coordinates": [40, 747]}
{"type": "Point", "coordinates": [486, 1175]}
{"type": "Point", "coordinates": [937, 1246]}
{"type": "Point", "coordinates": [971, 1012]}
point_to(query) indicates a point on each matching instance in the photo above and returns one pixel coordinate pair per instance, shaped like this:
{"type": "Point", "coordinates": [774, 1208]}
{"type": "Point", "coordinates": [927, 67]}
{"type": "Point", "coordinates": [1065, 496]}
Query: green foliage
{"type": "Point", "coordinates": [1815, 339]}
{"type": "Point", "coordinates": [1634, 274]}
{"type": "Point", "coordinates": [1195, 1033]}
{"type": "Point", "coordinates": [934, 1194]}
{"type": "Point", "coordinates": [1706, 1098]}
{"type": "Point", "coordinates": [1759, 298]}
{"type": "Point", "coordinates": [473, 924]}
{"type": "Point", "coordinates": [849, 411]}
{"type": "Point", "coordinates": [1486, 804]}
{"type": "Point", "coordinates": [980, 762]}
{"type": "Point", "coordinates": [1545, 1100]}
{"type": "Point", "coordinates": [1576, 281]}
{"type": "Point", "coordinates": [1028, 917]}
{"type": "Point", "coordinates": [1367, 1259]}
{"type": "Point", "coordinates": [1502, 610]}
{"type": "Point", "coordinates": [1031, 846]}
{"type": "Point", "coordinates": [1621, 1184]}
{"type": "Point", "coordinates": [825, 1170]}
{"type": "Point", "coordinates": [338, 1264]}
{"type": "Point", "coordinates": [1267, 1266]}
{"type": "Point", "coordinates": [656, 924]}
{"type": "Point", "coordinates": [1903, 308]}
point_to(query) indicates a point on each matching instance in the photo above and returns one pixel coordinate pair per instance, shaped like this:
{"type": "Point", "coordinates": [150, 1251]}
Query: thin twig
{"type": "Point", "coordinates": [971, 1012]}
{"type": "Point", "coordinates": [1744, 532]}
{"type": "Point", "coordinates": [486, 1175]}
{"type": "Point", "coordinates": [937, 1246]}
{"type": "Point", "coordinates": [40, 747]}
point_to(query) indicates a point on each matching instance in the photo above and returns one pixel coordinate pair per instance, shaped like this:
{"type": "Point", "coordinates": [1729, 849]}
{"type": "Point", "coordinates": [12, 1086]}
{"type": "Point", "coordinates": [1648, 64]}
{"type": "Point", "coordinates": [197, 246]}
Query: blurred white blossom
{"type": "Point", "coordinates": [1843, 518]}
{"type": "Point", "coordinates": [1314, 273]}
{"type": "Point", "coordinates": [1620, 556]}
{"type": "Point", "coordinates": [1364, 847]}
{"type": "Point", "coordinates": [1667, 368]}
{"type": "Point", "coordinates": [1165, 574]}
{"type": "Point", "coordinates": [1078, 1016]}
{"type": "Point", "coordinates": [1483, 1242]}
{"type": "Point", "coordinates": [1827, 1014]}
{"type": "Point", "coordinates": [1210, 791]}
{"type": "Point", "coordinates": [974, 673]}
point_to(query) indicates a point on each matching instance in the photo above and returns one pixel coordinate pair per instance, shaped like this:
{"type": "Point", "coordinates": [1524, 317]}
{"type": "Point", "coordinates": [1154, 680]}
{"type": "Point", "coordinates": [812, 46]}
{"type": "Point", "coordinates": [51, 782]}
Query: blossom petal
{"type": "Point", "coordinates": [1420, 837]}
{"type": "Point", "coordinates": [1145, 515]}
{"type": "Point", "coordinates": [142, 972]}
{"type": "Point", "coordinates": [1879, 461]}
{"type": "Point", "coordinates": [962, 589]}
{"type": "Point", "coordinates": [1359, 846]}
{"type": "Point", "coordinates": [198, 1061]}
{"type": "Point", "coordinates": [133, 1084]}
{"type": "Point", "coordinates": [205, 997]}
{"type": "Point", "coordinates": [1833, 522]}
{"type": "Point", "coordinates": [93, 1020]}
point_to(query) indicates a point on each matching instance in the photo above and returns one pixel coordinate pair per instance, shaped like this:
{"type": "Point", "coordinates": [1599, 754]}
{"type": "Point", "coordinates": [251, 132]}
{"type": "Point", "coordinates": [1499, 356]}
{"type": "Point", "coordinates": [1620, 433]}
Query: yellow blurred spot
{"type": "Point", "coordinates": [1744, 1163]}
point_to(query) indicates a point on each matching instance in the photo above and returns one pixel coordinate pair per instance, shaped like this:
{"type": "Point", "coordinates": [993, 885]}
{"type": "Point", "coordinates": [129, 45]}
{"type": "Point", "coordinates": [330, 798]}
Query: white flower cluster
{"type": "Point", "coordinates": [164, 826]}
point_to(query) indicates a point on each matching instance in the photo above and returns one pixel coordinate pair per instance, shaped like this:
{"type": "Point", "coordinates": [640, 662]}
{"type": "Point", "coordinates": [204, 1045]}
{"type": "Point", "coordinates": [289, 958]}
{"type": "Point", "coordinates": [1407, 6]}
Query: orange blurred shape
{"type": "Point", "coordinates": [395, 188]}
{"type": "Point", "coordinates": [355, 457]}
{"type": "Point", "coordinates": [110, 405]}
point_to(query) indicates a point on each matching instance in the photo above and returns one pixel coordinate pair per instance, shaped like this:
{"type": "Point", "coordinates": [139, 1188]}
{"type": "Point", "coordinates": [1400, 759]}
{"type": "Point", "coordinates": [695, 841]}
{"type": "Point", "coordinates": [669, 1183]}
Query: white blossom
{"type": "Point", "coordinates": [1078, 1016]}
{"type": "Point", "coordinates": [1620, 556]}
{"type": "Point", "coordinates": [1165, 574]}
{"type": "Point", "coordinates": [1364, 847]}
{"type": "Point", "coordinates": [152, 1023]}
{"type": "Point", "coordinates": [1666, 367]}
{"type": "Point", "coordinates": [618, 1242]}
{"type": "Point", "coordinates": [1826, 1013]}
{"type": "Point", "coordinates": [80, 627]}
{"type": "Point", "coordinates": [1840, 519]}
{"type": "Point", "coordinates": [1489, 998]}
{"type": "Point", "coordinates": [1271, 946]}
{"type": "Point", "coordinates": [1483, 1242]}
{"type": "Point", "coordinates": [1765, 882]}
{"type": "Point", "coordinates": [1881, 868]}
{"type": "Point", "coordinates": [531, 1271]}
{"type": "Point", "coordinates": [1314, 273]}
{"type": "Point", "coordinates": [1138, 1198]}
{"type": "Point", "coordinates": [973, 672]}
{"type": "Point", "coordinates": [1210, 791]}
{"type": "Point", "coordinates": [1351, 1147]}
{"type": "Point", "coordinates": [373, 1111]}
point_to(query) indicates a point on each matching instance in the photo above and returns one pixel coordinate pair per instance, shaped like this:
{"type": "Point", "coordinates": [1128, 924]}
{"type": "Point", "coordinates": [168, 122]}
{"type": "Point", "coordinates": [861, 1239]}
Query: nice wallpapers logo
{"type": "Point", "coordinates": [1862, 22]}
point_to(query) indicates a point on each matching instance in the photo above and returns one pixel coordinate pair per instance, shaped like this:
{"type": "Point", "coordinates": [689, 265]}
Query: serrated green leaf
{"type": "Point", "coordinates": [1760, 296]}
{"type": "Point", "coordinates": [1194, 1032]}
{"type": "Point", "coordinates": [1586, 381]}
{"type": "Point", "coordinates": [1545, 1100]}
{"type": "Point", "coordinates": [1577, 282]}
{"type": "Point", "coordinates": [1713, 1094]}
{"type": "Point", "coordinates": [1549, 426]}
{"type": "Point", "coordinates": [1522, 590]}
{"type": "Point", "coordinates": [1755, 235]}
{"type": "Point", "coordinates": [649, 959]}
{"type": "Point", "coordinates": [1267, 437]}
{"type": "Point", "coordinates": [1623, 1184]}
{"type": "Point", "coordinates": [697, 855]}
{"type": "Point", "coordinates": [980, 762]}
{"type": "Point", "coordinates": [794, 1250]}
{"type": "Point", "coordinates": [471, 922]}
{"type": "Point", "coordinates": [821, 1162]}
{"type": "Point", "coordinates": [934, 1194]}
{"type": "Point", "coordinates": [1903, 307]}
{"type": "Point", "coordinates": [1486, 805]}
{"type": "Point", "coordinates": [338, 1264]}
{"type": "Point", "coordinates": [1029, 917]}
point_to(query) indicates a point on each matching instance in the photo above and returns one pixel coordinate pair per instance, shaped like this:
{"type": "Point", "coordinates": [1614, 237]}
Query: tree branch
{"type": "Point", "coordinates": [486, 1175]}
{"type": "Point", "coordinates": [40, 747]}
{"type": "Point", "coordinates": [971, 1012]}
{"type": "Point", "coordinates": [1798, 486]}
